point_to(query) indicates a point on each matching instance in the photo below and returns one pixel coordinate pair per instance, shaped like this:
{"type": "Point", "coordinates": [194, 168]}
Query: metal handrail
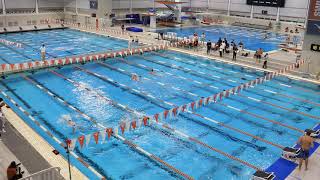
{"type": "Point", "coordinates": [52, 173]}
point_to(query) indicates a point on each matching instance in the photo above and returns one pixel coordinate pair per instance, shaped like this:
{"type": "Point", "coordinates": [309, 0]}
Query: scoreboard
{"type": "Point", "coordinates": [271, 3]}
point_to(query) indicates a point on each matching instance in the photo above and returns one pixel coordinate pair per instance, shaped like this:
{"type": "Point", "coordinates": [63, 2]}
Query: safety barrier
{"type": "Point", "coordinates": [52, 173]}
{"type": "Point", "coordinates": [33, 65]}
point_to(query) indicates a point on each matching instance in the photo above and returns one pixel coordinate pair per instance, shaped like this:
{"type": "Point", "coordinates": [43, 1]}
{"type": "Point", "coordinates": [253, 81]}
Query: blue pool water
{"type": "Point", "coordinates": [115, 160]}
{"type": "Point", "coordinates": [59, 43]}
{"type": "Point", "coordinates": [252, 38]}
{"type": "Point", "coordinates": [179, 79]}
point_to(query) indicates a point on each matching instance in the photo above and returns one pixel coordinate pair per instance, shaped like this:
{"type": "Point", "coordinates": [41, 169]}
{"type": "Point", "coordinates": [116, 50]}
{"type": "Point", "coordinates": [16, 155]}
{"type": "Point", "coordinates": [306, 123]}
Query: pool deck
{"type": "Point", "coordinates": [313, 169]}
{"type": "Point", "coordinates": [48, 159]}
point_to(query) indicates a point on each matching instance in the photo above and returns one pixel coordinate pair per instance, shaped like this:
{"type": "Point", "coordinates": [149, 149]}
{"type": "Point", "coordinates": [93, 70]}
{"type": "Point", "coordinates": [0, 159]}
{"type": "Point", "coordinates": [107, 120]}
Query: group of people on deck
{"type": "Point", "coordinates": [224, 47]}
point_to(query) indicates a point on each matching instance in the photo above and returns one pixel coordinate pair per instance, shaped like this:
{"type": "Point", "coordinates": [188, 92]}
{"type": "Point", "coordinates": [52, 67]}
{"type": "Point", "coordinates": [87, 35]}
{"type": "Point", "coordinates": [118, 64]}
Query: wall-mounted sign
{"type": "Point", "coordinates": [272, 3]}
{"type": "Point", "coordinates": [93, 4]}
{"type": "Point", "coordinates": [315, 47]}
{"type": "Point", "coordinates": [314, 10]}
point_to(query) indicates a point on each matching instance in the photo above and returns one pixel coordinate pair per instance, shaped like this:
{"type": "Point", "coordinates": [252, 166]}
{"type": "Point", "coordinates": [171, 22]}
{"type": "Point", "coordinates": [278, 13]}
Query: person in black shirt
{"type": "Point", "coordinates": [209, 45]}
{"type": "Point", "coordinates": [235, 51]}
{"type": "Point", "coordinates": [219, 41]}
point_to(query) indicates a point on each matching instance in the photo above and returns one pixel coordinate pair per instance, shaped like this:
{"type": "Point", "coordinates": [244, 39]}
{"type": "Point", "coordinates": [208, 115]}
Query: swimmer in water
{"type": "Point", "coordinates": [152, 72]}
{"type": "Point", "coordinates": [134, 77]}
{"type": "Point", "coordinates": [70, 123]}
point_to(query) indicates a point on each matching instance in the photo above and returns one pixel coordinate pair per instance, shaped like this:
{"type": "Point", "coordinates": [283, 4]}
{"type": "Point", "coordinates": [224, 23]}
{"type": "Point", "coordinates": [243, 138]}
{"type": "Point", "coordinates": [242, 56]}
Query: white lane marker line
{"type": "Point", "coordinates": [254, 99]}
{"type": "Point", "coordinates": [232, 81]}
{"type": "Point", "coordinates": [149, 95]}
{"type": "Point", "coordinates": [214, 87]}
{"type": "Point", "coordinates": [270, 91]}
{"type": "Point", "coordinates": [216, 76]}
{"type": "Point", "coordinates": [284, 85]}
{"type": "Point", "coordinates": [168, 103]}
{"type": "Point", "coordinates": [233, 108]}
{"type": "Point", "coordinates": [191, 94]}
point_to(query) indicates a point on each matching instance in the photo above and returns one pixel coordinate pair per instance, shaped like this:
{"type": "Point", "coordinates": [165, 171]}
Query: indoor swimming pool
{"type": "Point", "coordinates": [102, 95]}
{"type": "Point", "coordinates": [59, 43]}
{"type": "Point", "coordinates": [252, 39]}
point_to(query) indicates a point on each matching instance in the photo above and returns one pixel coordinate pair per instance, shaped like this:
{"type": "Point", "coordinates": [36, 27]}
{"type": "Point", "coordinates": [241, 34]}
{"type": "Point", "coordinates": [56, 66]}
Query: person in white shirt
{"type": "Point", "coordinates": [223, 46]}
{"type": "Point", "coordinates": [221, 50]}
{"type": "Point", "coordinates": [43, 52]}
{"type": "Point", "coordinates": [203, 38]}
{"type": "Point", "coordinates": [2, 117]}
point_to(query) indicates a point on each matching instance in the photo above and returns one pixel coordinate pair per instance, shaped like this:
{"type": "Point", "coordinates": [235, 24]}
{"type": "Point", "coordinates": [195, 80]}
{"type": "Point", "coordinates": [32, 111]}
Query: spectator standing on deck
{"type": "Point", "coordinates": [2, 120]}
{"type": "Point", "coordinates": [266, 57]}
{"type": "Point", "coordinates": [306, 143]}
{"type": "Point", "coordinates": [129, 43]}
{"type": "Point", "coordinates": [203, 38]}
{"type": "Point", "coordinates": [122, 28]}
{"type": "Point", "coordinates": [235, 51]}
{"type": "Point", "coordinates": [209, 46]}
{"type": "Point", "coordinates": [43, 52]}
{"type": "Point", "coordinates": [219, 41]}
{"type": "Point", "coordinates": [259, 55]}
{"type": "Point", "coordinates": [2, 117]}
{"type": "Point", "coordinates": [223, 46]}
{"type": "Point", "coordinates": [221, 50]}
{"type": "Point", "coordinates": [136, 41]}
{"type": "Point", "coordinates": [195, 42]}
